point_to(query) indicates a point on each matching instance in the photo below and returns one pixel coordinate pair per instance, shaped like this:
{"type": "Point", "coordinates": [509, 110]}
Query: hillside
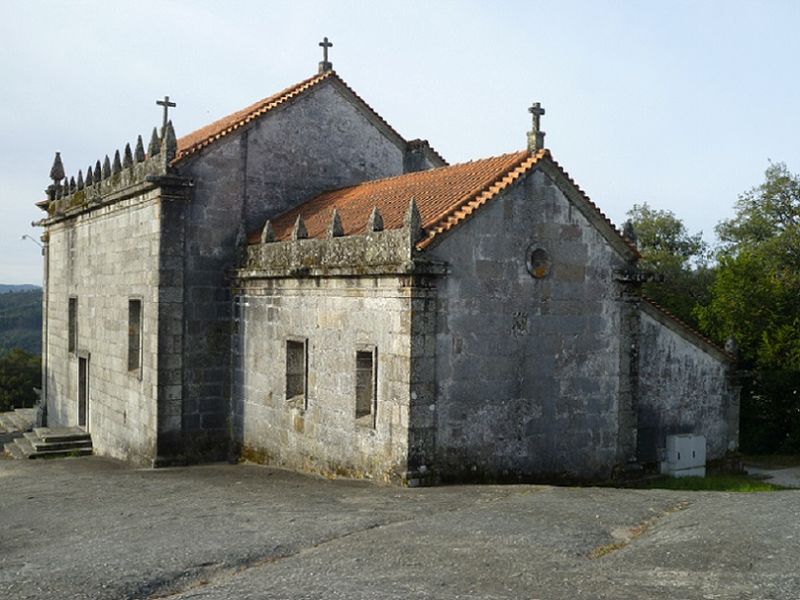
{"type": "Point", "coordinates": [25, 287]}
{"type": "Point", "coordinates": [21, 319]}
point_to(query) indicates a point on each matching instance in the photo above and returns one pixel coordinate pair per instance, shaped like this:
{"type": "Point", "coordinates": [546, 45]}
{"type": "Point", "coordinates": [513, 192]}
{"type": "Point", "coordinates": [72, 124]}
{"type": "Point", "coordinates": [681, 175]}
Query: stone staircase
{"type": "Point", "coordinates": [51, 442]}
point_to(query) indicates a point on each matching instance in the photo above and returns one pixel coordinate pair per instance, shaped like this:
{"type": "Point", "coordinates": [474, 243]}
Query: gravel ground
{"type": "Point", "coordinates": [94, 528]}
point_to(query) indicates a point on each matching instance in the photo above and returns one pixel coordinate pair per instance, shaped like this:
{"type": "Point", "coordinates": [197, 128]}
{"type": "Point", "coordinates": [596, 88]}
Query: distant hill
{"type": "Point", "coordinates": [24, 287]}
{"type": "Point", "coordinates": [21, 318]}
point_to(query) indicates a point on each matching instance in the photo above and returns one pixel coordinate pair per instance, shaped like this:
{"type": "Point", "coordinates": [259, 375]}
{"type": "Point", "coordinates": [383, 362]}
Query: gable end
{"type": "Point", "coordinates": [590, 210]}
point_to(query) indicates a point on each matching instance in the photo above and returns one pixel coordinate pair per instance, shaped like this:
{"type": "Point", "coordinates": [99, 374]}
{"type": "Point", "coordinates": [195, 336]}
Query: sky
{"type": "Point", "coordinates": [679, 104]}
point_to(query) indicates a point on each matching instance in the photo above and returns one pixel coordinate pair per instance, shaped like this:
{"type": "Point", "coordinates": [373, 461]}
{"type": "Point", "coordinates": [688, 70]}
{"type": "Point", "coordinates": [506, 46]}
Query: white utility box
{"type": "Point", "coordinates": [685, 456]}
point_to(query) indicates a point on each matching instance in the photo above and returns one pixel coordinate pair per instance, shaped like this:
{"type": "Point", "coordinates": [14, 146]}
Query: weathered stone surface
{"type": "Point", "coordinates": [685, 386]}
{"type": "Point", "coordinates": [528, 370]}
{"type": "Point", "coordinates": [244, 531]}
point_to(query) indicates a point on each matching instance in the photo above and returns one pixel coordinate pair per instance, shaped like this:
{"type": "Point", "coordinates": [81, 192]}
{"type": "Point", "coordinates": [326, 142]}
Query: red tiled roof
{"type": "Point", "coordinates": [444, 197]}
{"type": "Point", "coordinates": [197, 140]}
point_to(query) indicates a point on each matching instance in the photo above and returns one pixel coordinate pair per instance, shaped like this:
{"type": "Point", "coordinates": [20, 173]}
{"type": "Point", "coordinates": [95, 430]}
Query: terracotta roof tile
{"type": "Point", "coordinates": [197, 140]}
{"type": "Point", "coordinates": [444, 196]}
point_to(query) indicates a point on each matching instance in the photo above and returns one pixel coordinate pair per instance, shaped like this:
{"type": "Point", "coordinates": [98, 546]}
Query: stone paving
{"type": "Point", "coordinates": [94, 528]}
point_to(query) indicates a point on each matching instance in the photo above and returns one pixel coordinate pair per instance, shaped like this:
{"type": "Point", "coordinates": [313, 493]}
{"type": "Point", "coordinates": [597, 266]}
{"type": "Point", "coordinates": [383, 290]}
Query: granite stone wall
{"type": "Point", "coordinates": [317, 142]}
{"type": "Point", "coordinates": [686, 386]}
{"type": "Point", "coordinates": [530, 346]}
{"type": "Point", "coordinates": [104, 258]}
{"type": "Point", "coordinates": [335, 317]}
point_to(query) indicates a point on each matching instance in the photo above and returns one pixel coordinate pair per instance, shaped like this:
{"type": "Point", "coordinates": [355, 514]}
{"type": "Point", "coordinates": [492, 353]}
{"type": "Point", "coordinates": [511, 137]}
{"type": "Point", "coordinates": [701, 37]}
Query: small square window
{"type": "Point", "coordinates": [296, 373]}
{"type": "Point", "coordinates": [366, 385]}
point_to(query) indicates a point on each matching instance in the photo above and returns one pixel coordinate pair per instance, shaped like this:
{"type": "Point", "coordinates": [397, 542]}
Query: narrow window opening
{"type": "Point", "coordinates": [72, 318]}
{"type": "Point", "coordinates": [366, 381]}
{"type": "Point", "coordinates": [134, 334]}
{"type": "Point", "coordinates": [296, 373]}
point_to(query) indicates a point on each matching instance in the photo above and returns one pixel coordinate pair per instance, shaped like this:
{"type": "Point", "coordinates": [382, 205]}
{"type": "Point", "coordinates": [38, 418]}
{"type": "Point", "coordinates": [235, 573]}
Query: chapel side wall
{"type": "Point", "coordinates": [529, 370]}
{"type": "Point", "coordinates": [337, 317]}
{"type": "Point", "coordinates": [317, 142]}
{"type": "Point", "coordinates": [104, 258]}
{"type": "Point", "coordinates": [683, 389]}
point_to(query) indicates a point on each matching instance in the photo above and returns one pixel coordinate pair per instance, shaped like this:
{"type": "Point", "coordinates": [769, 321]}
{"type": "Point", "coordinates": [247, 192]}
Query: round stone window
{"type": "Point", "coordinates": [538, 262]}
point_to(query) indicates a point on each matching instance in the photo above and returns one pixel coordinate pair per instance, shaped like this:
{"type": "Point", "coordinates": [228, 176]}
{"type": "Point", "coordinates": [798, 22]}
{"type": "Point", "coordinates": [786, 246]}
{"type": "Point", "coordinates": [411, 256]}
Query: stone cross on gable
{"type": "Point", "coordinates": [536, 135]}
{"type": "Point", "coordinates": [325, 65]}
{"type": "Point", "coordinates": [166, 104]}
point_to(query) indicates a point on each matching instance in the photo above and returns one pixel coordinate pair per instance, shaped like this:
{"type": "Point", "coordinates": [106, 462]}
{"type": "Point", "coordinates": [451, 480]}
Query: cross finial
{"type": "Point", "coordinates": [325, 65]}
{"type": "Point", "coordinates": [536, 135]}
{"type": "Point", "coordinates": [166, 104]}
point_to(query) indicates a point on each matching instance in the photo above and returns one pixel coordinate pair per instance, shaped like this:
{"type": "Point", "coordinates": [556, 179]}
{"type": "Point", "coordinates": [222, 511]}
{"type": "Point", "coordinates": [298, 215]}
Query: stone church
{"type": "Point", "coordinates": [298, 284]}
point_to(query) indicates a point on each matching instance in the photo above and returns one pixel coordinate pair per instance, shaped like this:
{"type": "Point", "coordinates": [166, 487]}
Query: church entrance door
{"type": "Point", "coordinates": [83, 392]}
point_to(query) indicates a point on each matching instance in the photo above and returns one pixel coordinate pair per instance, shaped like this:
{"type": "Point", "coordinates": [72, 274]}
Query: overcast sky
{"type": "Point", "coordinates": [678, 104]}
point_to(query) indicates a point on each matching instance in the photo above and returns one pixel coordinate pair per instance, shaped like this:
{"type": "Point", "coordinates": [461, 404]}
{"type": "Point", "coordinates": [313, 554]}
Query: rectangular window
{"type": "Point", "coordinates": [72, 319]}
{"type": "Point", "coordinates": [134, 334]}
{"type": "Point", "coordinates": [366, 385]}
{"type": "Point", "coordinates": [296, 372]}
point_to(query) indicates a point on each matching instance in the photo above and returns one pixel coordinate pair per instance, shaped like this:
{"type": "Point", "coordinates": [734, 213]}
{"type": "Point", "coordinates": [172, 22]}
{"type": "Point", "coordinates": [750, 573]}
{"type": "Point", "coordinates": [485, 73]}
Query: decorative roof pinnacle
{"type": "Point", "coordinates": [116, 166]}
{"type": "Point", "coordinates": [170, 142]}
{"type": "Point", "coordinates": [154, 147]}
{"type": "Point", "coordinates": [127, 157]}
{"type": "Point", "coordinates": [375, 222]}
{"type": "Point", "coordinates": [138, 154]}
{"type": "Point", "coordinates": [57, 170]}
{"type": "Point", "coordinates": [335, 229]}
{"type": "Point", "coordinates": [413, 221]}
{"type": "Point", "coordinates": [299, 231]}
{"type": "Point", "coordinates": [267, 234]}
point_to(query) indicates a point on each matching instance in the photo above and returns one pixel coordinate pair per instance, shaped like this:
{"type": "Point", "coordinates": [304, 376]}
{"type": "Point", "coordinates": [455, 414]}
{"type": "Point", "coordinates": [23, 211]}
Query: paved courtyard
{"type": "Point", "coordinates": [93, 528]}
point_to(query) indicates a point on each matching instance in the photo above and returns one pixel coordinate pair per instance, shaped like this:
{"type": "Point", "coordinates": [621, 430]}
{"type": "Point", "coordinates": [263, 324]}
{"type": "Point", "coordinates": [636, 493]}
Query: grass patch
{"type": "Point", "coordinates": [713, 483]}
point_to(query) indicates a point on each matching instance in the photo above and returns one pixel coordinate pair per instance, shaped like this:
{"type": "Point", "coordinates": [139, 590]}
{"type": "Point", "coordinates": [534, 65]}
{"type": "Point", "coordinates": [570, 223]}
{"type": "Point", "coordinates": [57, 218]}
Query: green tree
{"type": "Point", "coordinates": [20, 373]}
{"type": "Point", "coordinates": [755, 299]}
{"type": "Point", "coordinates": [678, 258]}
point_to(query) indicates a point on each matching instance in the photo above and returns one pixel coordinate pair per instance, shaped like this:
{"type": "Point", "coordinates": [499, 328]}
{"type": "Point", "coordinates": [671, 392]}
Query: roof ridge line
{"type": "Point", "coordinates": [668, 313]}
{"type": "Point", "coordinates": [251, 111]}
{"type": "Point", "coordinates": [415, 174]}
{"type": "Point", "coordinates": [474, 199]}
{"type": "Point", "coordinates": [596, 208]}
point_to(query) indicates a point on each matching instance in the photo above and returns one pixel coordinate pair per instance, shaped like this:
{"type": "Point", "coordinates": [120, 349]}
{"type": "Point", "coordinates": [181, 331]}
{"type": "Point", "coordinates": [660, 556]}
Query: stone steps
{"type": "Point", "coordinates": [51, 442]}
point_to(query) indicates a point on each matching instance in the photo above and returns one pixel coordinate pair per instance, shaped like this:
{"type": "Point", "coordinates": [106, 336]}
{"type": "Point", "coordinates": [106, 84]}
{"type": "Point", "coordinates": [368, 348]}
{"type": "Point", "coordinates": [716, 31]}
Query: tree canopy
{"type": "Point", "coordinates": [756, 293]}
{"type": "Point", "coordinates": [20, 373]}
{"type": "Point", "coordinates": [676, 257]}
{"type": "Point", "coordinates": [755, 299]}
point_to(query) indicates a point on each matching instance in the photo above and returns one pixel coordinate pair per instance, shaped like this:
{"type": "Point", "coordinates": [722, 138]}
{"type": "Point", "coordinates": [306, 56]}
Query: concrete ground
{"type": "Point", "coordinates": [786, 476]}
{"type": "Point", "coordinates": [93, 528]}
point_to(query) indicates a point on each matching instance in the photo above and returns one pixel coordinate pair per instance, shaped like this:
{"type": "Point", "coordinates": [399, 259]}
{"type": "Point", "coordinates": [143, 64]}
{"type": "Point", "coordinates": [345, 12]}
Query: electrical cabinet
{"type": "Point", "coordinates": [685, 456]}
